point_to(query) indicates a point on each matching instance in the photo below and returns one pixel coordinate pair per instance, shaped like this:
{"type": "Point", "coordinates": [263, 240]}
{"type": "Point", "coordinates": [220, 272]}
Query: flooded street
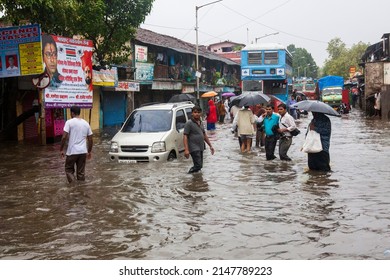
{"type": "Point", "coordinates": [238, 207]}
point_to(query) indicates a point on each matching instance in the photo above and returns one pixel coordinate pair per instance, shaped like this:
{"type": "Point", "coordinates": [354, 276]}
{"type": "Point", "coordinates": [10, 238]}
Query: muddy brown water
{"type": "Point", "coordinates": [238, 207]}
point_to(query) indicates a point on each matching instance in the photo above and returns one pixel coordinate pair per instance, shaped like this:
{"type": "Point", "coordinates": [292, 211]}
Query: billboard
{"type": "Point", "coordinates": [69, 64]}
{"type": "Point", "coordinates": [20, 51]}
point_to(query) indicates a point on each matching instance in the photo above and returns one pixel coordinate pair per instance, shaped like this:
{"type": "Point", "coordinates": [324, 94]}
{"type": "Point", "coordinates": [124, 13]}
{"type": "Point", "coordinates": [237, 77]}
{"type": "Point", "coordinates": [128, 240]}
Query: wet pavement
{"type": "Point", "coordinates": [239, 207]}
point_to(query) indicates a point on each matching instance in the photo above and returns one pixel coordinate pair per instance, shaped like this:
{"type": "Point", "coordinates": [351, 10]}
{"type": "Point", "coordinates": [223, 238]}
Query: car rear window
{"type": "Point", "coordinates": [148, 121]}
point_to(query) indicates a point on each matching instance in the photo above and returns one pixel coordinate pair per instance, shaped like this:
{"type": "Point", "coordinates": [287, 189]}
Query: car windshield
{"type": "Point", "coordinates": [331, 91]}
{"type": "Point", "coordinates": [149, 121]}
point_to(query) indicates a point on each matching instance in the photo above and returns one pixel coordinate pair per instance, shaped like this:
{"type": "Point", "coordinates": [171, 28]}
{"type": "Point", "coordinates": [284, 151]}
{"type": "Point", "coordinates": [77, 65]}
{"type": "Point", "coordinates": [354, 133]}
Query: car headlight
{"type": "Point", "coordinates": [114, 147]}
{"type": "Point", "coordinates": [158, 147]}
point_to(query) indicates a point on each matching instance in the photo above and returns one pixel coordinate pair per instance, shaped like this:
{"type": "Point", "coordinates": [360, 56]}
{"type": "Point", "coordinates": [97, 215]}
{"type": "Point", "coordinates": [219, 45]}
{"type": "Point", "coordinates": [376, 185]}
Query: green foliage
{"type": "Point", "coordinates": [341, 58]}
{"type": "Point", "coordinates": [302, 62]}
{"type": "Point", "coordinates": [110, 24]}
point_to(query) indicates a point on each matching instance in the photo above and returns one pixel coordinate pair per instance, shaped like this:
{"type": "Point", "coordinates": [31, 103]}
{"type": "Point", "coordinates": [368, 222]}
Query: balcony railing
{"type": "Point", "coordinates": [185, 73]}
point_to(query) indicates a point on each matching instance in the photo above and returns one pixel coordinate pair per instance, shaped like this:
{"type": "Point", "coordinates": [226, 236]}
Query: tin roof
{"type": "Point", "coordinates": [149, 37]}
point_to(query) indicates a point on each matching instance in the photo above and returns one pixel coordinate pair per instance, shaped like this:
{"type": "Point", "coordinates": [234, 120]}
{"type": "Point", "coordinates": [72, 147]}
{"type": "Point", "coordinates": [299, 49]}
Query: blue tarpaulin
{"type": "Point", "coordinates": [330, 81]}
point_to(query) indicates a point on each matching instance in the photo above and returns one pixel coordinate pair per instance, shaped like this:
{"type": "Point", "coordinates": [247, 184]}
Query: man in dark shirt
{"type": "Point", "coordinates": [194, 138]}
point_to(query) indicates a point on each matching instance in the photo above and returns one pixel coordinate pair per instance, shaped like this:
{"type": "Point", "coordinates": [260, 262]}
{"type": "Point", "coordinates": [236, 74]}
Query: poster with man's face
{"type": "Point", "coordinates": [69, 64]}
{"type": "Point", "coordinates": [20, 51]}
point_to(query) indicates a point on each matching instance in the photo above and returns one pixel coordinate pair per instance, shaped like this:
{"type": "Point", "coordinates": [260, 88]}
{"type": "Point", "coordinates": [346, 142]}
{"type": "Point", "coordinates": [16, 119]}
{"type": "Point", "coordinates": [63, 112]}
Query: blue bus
{"type": "Point", "coordinates": [267, 68]}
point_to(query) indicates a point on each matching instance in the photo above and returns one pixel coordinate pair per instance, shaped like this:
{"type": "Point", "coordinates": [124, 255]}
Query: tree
{"type": "Point", "coordinates": [302, 59]}
{"type": "Point", "coordinates": [341, 58]}
{"type": "Point", "coordinates": [110, 24]}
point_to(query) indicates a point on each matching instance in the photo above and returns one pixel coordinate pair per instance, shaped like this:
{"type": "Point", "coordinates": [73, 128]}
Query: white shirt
{"type": "Point", "coordinates": [78, 130]}
{"type": "Point", "coordinates": [287, 121]}
{"type": "Point", "coordinates": [12, 67]}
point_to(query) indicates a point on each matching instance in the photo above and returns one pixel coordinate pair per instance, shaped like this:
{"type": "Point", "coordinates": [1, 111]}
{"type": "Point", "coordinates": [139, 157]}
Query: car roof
{"type": "Point", "coordinates": [166, 106]}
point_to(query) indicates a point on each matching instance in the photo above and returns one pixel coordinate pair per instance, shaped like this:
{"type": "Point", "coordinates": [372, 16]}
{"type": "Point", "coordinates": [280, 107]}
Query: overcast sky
{"type": "Point", "coordinates": [308, 24]}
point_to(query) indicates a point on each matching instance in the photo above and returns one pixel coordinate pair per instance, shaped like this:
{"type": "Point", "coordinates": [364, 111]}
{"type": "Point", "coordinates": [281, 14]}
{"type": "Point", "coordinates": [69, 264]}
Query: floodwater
{"type": "Point", "coordinates": [239, 207]}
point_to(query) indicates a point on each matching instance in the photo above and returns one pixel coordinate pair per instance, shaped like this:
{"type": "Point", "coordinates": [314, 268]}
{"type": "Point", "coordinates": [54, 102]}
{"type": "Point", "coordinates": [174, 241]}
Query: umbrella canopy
{"type": "Point", "coordinates": [251, 99]}
{"type": "Point", "coordinates": [228, 94]}
{"type": "Point", "coordinates": [316, 106]}
{"type": "Point", "coordinates": [276, 99]}
{"type": "Point", "coordinates": [182, 97]}
{"type": "Point", "coordinates": [209, 94]}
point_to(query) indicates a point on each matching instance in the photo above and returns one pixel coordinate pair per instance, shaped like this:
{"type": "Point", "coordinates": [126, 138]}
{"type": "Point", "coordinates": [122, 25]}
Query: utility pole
{"type": "Point", "coordinates": [197, 47]}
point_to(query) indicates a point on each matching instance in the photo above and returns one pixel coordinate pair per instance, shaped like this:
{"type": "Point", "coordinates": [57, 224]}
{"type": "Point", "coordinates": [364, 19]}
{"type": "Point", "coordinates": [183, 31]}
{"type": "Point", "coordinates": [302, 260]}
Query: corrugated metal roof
{"type": "Point", "coordinates": [152, 38]}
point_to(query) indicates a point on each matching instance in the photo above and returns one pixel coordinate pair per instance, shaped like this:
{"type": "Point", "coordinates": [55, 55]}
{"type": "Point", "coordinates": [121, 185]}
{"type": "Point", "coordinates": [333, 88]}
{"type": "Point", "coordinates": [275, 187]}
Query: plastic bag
{"type": "Point", "coordinates": [312, 142]}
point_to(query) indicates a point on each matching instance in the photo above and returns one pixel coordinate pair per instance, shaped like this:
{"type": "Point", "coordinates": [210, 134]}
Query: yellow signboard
{"type": "Point", "coordinates": [30, 58]}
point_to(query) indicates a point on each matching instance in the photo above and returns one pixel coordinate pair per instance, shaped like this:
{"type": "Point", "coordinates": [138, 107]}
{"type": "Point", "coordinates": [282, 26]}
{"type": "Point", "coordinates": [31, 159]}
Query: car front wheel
{"type": "Point", "coordinates": [171, 156]}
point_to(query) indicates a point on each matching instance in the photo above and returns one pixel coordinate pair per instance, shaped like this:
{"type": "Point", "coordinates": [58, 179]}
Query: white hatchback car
{"type": "Point", "coordinates": [152, 133]}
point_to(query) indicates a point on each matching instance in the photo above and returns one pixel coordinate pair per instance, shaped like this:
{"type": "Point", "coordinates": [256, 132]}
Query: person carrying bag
{"type": "Point", "coordinates": [317, 143]}
{"type": "Point", "coordinates": [312, 142]}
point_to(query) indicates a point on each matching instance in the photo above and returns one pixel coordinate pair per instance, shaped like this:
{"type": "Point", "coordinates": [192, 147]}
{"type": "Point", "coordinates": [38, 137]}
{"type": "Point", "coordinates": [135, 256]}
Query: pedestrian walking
{"type": "Point", "coordinates": [321, 124]}
{"type": "Point", "coordinates": [293, 111]}
{"type": "Point", "coordinates": [260, 135]}
{"type": "Point", "coordinates": [245, 120]}
{"type": "Point", "coordinates": [221, 112]}
{"type": "Point", "coordinates": [377, 105]}
{"type": "Point", "coordinates": [211, 115]}
{"type": "Point", "coordinates": [79, 135]}
{"type": "Point", "coordinates": [194, 138]}
{"type": "Point", "coordinates": [270, 120]}
{"type": "Point", "coordinates": [227, 109]}
{"type": "Point", "coordinates": [286, 125]}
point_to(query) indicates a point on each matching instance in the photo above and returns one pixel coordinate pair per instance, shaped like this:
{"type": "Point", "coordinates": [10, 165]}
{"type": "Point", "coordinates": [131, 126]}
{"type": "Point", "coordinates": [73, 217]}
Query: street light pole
{"type": "Point", "coordinates": [197, 47]}
{"type": "Point", "coordinates": [298, 70]}
{"type": "Point", "coordinates": [305, 69]}
{"type": "Point", "coordinates": [266, 35]}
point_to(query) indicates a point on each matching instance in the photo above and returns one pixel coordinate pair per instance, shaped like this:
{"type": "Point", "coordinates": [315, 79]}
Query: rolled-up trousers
{"type": "Point", "coordinates": [70, 163]}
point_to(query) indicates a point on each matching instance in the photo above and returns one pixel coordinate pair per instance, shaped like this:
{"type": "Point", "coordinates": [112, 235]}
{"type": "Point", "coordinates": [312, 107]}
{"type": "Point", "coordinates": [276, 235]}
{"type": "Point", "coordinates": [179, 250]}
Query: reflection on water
{"type": "Point", "coordinates": [239, 207]}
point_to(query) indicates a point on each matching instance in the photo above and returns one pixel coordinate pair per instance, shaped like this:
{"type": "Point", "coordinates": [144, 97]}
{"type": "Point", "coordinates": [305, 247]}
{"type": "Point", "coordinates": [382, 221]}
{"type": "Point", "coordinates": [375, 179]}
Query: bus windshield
{"type": "Point", "coordinates": [252, 86]}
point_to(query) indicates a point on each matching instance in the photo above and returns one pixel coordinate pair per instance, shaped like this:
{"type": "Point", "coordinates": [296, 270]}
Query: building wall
{"type": "Point", "coordinates": [94, 120]}
{"type": "Point", "coordinates": [373, 81]}
{"type": "Point", "coordinates": [218, 48]}
{"type": "Point", "coordinates": [385, 103]}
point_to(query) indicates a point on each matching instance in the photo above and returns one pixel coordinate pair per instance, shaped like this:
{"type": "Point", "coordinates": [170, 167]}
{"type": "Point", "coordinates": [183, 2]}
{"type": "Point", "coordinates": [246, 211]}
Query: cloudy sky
{"type": "Point", "coordinates": [308, 24]}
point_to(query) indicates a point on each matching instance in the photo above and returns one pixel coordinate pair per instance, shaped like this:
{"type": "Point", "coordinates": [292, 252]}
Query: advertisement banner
{"type": "Point", "coordinates": [106, 77]}
{"type": "Point", "coordinates": [144, 71]}
{"type": "Point", "coordinates": [20, 51]}
{"type": "Point", "coordinates": [141, 53]}
{"type": "Point", "coordinates": [127, 86]}
{"type": "Point", "coordinates": [69, 64]}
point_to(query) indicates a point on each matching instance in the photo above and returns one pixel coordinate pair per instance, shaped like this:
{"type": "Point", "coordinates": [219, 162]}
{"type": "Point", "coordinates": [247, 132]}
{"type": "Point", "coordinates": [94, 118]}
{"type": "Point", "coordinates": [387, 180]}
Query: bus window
{"type": "Point", "coordinates": [255, 58]}
{"type": "Point", "coordinates": [271, 58]}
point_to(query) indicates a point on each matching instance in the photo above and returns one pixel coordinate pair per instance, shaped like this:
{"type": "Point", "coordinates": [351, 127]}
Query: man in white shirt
{"type": "Point", "coordinates": [286, 124]}
{"type": "Point", "coordinates": [79, 132]}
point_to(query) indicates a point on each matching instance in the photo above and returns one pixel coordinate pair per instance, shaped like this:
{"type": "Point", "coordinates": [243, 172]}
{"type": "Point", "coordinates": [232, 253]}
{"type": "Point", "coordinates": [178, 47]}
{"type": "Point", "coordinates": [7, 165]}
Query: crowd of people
{"type": "Point", "coordinates": [269, 128]}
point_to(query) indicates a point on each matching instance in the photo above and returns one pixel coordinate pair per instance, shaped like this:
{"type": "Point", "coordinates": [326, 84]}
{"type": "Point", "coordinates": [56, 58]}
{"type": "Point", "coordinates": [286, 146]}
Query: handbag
{"type": "Point", "coordinates": [312, 142]}
{"type": "Point", "coordinates": [295, 132]}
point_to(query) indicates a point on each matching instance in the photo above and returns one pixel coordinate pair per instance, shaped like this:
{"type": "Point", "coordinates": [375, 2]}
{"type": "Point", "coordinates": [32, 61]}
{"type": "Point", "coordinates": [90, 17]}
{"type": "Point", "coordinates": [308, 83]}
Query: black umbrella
{"type": "Point", "coordinates": [316, 106]}
{"type": "Point", "coordinates": [250, 99]}
{"type": "Point", "coordinates": [182, 97]}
